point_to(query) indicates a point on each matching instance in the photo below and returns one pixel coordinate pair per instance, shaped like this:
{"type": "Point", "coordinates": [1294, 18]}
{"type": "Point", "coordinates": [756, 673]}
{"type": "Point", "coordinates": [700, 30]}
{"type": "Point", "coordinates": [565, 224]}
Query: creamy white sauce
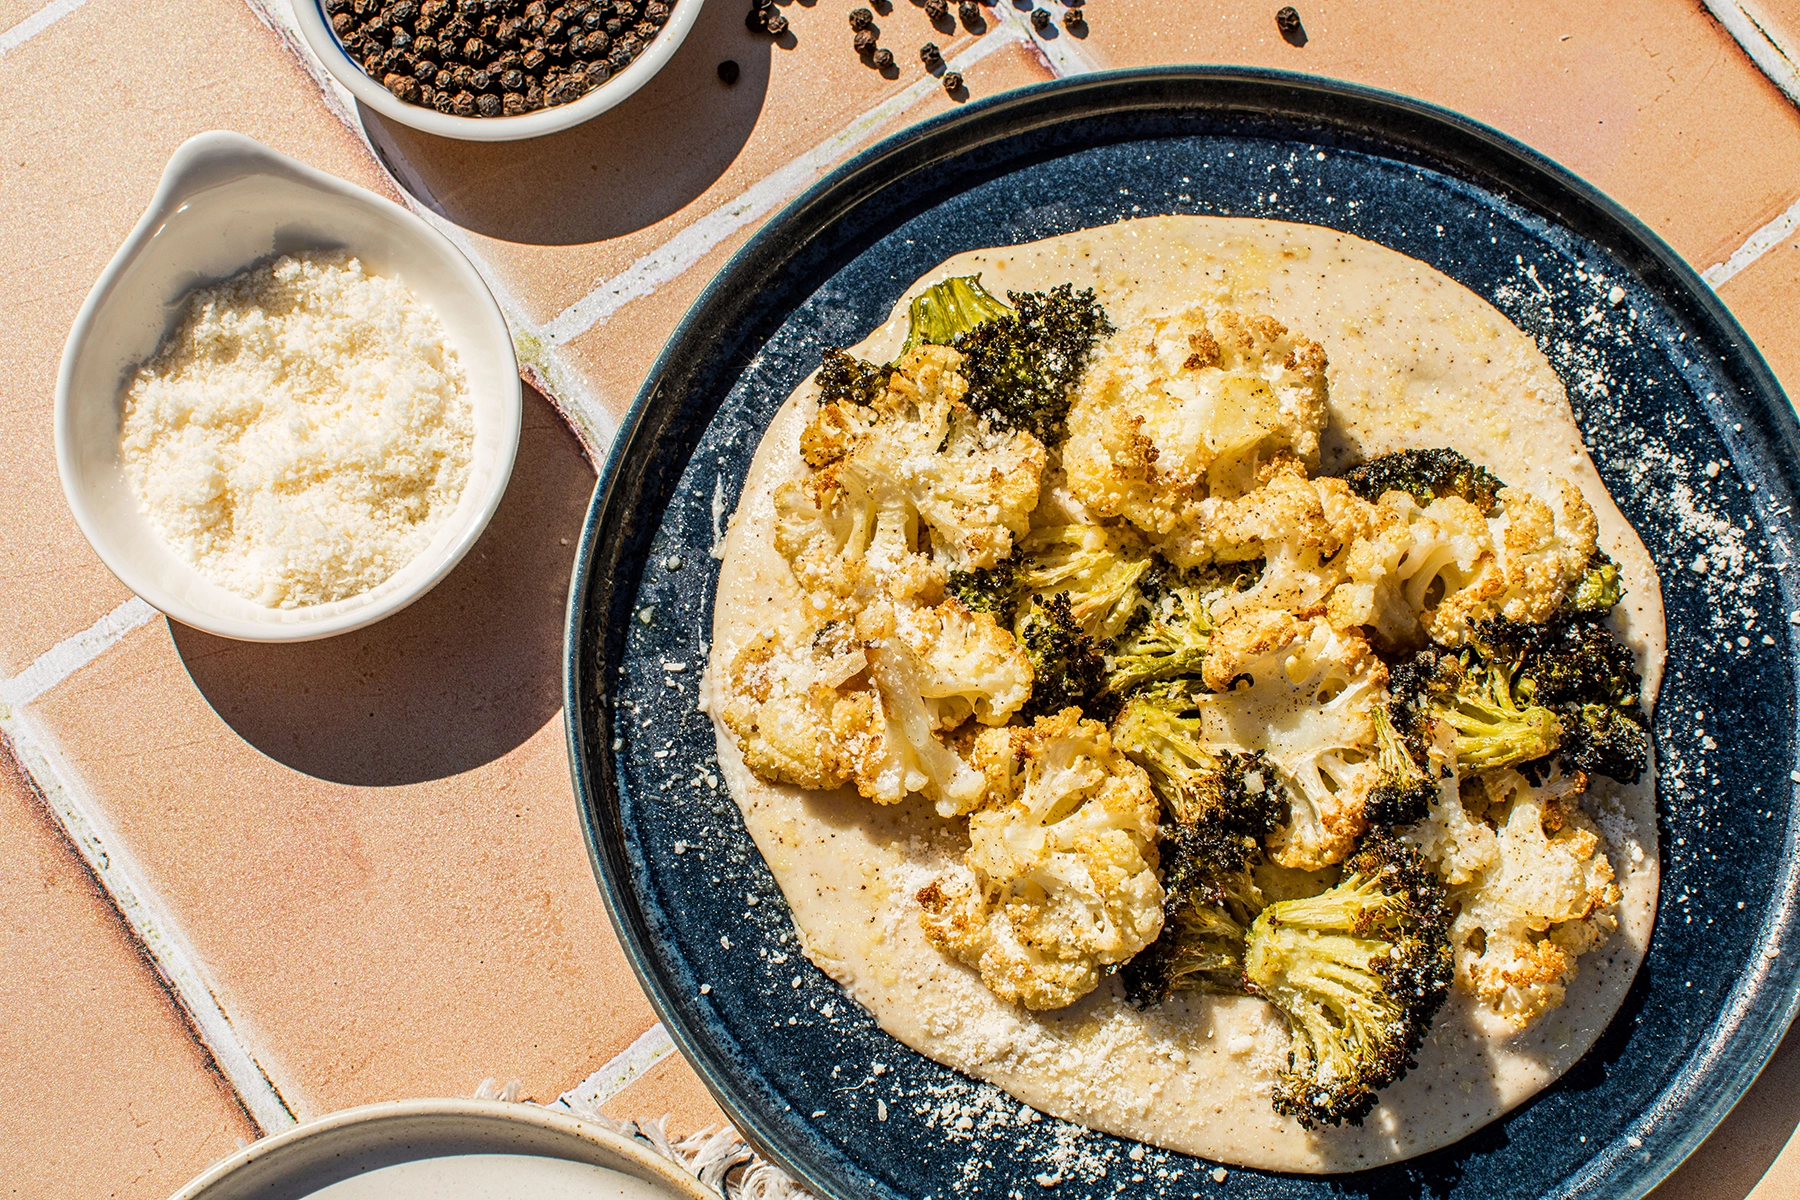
{"type": "Point", "coordinates": [1416, 360]}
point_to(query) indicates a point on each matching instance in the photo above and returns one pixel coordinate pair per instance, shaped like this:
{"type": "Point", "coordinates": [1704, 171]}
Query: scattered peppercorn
{"type": "Point", "coordinates": [1040, 18]}
{"type": "Point", "coordinates": [1287, 20]}
{"type": "Point", "coordinates": [969, 11]}
{"type": "Point", "coordinates": [953, 82]}
{"type": "Point", "coordinates": [883, 59]}
{"type": "Point", "coordinates": [769, 20]}
{"type": "Point", "coordinates": [863, 40]}
{"type": "Point", "coordinates": [937, 10]}
{"type": "Point", "coordinates": [1074, 17]}
{"type": "Point", "coordinates": [491, 58]}
{"type": "Point", "coordinates": [728, 72]}
{"type": "Point", "coordinates": [861, 18]}
{"type": "Point", "coordinates": [930, 55]}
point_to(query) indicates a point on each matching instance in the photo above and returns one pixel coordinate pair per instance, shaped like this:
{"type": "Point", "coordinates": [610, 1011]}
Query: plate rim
{"type": "Point", "coordinates": [842, 189]}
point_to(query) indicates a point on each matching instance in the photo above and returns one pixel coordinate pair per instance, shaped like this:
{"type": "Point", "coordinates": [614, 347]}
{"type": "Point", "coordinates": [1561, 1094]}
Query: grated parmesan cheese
{"type": "Point", "coordinates": [302, 433]}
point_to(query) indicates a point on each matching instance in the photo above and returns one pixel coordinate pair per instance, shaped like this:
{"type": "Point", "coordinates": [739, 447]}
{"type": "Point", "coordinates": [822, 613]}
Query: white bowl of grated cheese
{"type": "Point", "coordinates": [226, 204]}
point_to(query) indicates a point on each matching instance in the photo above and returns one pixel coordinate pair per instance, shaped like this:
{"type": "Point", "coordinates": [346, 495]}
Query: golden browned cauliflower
{"type": "Point", "coordinates": [1304, 694]}
{"type": "Point", "coordinates": [1060, 877]}
{"type": "Point", "coordinates": [1437, 570]}
{"type": "Point", "coordinates": [1187, 405]}
{"type": "Point", "coordinates": [802, 710]}
{"type": "Point", "coordinates": [920, 449]}
{"type": "Point", "coordinates": [1531, 884]}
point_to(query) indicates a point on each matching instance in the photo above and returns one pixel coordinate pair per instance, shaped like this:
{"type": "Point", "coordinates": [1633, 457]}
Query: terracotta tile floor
{"type": "Point", "coordinates": [369, 845]}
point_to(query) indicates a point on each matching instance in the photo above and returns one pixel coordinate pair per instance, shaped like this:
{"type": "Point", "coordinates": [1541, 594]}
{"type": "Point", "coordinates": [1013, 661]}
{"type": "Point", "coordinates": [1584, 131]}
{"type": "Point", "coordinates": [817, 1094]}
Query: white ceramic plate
{"type": "Point", "coordinates": [445, 1150]}
{"type": "Point", "coordinates": [315, 24]}
{"type": "Point", "coordinates": [224, 203]}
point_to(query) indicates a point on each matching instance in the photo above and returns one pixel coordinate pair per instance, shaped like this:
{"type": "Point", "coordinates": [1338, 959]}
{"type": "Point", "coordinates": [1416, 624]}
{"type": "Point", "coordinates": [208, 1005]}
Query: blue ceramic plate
{"type": "Point", "coordinates": [1664, 383]}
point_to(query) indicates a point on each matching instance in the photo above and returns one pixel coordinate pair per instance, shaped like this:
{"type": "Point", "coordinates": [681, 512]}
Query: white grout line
{"type": "Point", "coordinates": [1758, 244]}
{"type": "Point", "coordinates": [174, 958]}
{"type": "Point", "coordinates": [73, 653]}
{"type": "Point", "coordinates": [35, 24]}
{"type": "Point", "coordinates": [1763, 40]}
{"type": "Point", "coordinates": [674, 257]}
{"type": "Point", "coordinates": [651, 1047]}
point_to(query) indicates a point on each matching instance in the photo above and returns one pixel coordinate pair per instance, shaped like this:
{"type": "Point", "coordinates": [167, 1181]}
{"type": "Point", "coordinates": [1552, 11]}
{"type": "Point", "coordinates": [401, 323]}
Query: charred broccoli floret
{"type": "Point", "coordinates": [1107, 574]}
{"type": "Point", "coordinates": [1359, 972]}
{"type": "Point", "coordinates": [992, 590]}
{"type": "Point", "coordinates": [1202, 941]}
{"type": "Point", "coordinates": [846, 379]}
{"type": "Point", "coordinates": [1478, 694]}
{"type": "Point", "coordinates": [1575, 667]}
{"type": "Point", "coordinates": [1599, 588]}
{"type": "Point", "coordinates": [1066, 664]}
{"type": "Point", "coordinates": [1428, 475]}
{"type": "Point", "coordinates": [1407, 785]}
{"type": "Point", "coordinates": [1023, 367]}
{"type": "Point", "coordinates": [1170, 642]}
{"type": "Point", "coordinates": [955, 305]}
{"type": "Point", "coordinates": [1220, 803]}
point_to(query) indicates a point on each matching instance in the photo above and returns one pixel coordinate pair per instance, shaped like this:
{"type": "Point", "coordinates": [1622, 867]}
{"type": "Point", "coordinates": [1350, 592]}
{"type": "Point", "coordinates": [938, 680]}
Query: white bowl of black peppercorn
{"type": "Point", "coordinates": [494, 70]}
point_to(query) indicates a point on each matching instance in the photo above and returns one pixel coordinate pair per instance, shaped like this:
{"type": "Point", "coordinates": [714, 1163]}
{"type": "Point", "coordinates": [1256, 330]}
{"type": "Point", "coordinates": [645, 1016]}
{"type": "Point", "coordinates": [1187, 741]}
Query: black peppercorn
{"type": "Point", "coordinates": [512, 104]}
{"type": "Point", "coordinates": [403, 86]}
{"type": "Point", "coordinates": [728, 72]}
{"type": "Point", "coordinates": [480, 81]}
{"type": "Point", "coordinates": [401, 39]}
{"type": "Point", "coordinates": [342, 23]}
{"type": "Point", "coordinates": [425, 46]}
{"type": "Point", "coordinates": [883, 59]}
{"type": "Point", "coordinates": [487, 106]}
{"type": "Point", "coordinates": [953, 82]}
{"type": "Point", "coordinates": [1040, 18]}
{"type": "Point", "coordinates": [775, 23]}
{"type": "Point", "coordinates": [937, 10]}
{"type": "Point", "coordinates": [512, 80]}
{"type": "Point", "coordinates": [533, 60]}
{"type": "Point", "coordinates": [930, 55]}
{"type": "Point", "coordinates": [441, 101]}
{"type": "Point", "coordinates": [1074, 17]}
{"type": "Point", "coordinates": [863, 40]}
{"type": "Point", "coordinates": [656, 12]}
{"type": "Point", "coordinates": [425, 71]}
{"type": "Point", "coordinates": [404, 13]}
{"type": "Point", "coordinates": [969, 11]}
{"type": "Point", "coordinates": [1287, 21]}
{"type": "Point", "coordinates": [861, 18]}
{"type": "Point", "coordinates": [463, 104]}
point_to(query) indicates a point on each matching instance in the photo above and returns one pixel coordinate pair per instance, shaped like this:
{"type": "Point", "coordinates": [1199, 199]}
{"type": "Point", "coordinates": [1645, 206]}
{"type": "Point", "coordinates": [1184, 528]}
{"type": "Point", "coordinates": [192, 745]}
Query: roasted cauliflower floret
{"type": "Point", "coordinates": [847, 541]}
{"type": "Point", "coordinates": [1303, 694]}
{"type": "Point", "coordinates": [1544, 550]}
{"type": "Point", "coordinates": [1399, 577]}
{"type": "Point", "coordinates": [1060, 877]}
{"type": "Point", "coordinates": [920, 446]}
{"type": "Point", "coordinates": [871, 701]}
{"type": "Point", "coordinates": [803, 711]}
{"type": "Point", "coordinates": [1187, 405]}
{"type": "Point", "coordinates": [1298, 527]}
{"type": "Point", "coordinates": [1437, 570]}
{"type": "Point", "coordinates": [1531, 884]}
{"type": "Point", "coordinates": [967, 665]}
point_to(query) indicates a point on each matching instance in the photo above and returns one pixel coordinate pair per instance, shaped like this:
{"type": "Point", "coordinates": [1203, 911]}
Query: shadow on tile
{"type": "Point", "coordinates": [455, 681]}
{"type": "Point", "coordinates": [1740, 1156]}
{"type": "Point", "coordinates": [624, 170]}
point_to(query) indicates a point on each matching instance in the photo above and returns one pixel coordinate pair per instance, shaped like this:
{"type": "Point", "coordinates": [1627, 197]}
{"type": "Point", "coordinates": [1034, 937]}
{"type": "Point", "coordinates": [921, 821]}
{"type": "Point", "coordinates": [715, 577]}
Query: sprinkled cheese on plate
{"type": "Point", "coordinates": [302, 433]}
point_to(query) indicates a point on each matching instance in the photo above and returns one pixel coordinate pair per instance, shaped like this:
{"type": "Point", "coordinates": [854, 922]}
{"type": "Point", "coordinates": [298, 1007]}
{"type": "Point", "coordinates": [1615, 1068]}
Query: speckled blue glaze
{"type": "Point", "coordinates": [1663, 382]}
